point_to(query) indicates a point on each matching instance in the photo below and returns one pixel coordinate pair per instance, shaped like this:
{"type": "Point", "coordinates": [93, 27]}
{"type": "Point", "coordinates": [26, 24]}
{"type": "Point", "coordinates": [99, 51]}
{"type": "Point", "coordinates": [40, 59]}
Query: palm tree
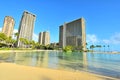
{"type": "Point", "coordinates": [9, 41]}
{"type": "Point", "coordinates": [16, 34]}
{"type": "Point", "coordinates": [24, 41]}
{"type": "Point", "coordinates": [99, 46]}
{"type": "Point", "coordinates": [13, 42]}
{"type": "Point", "coordinates": [32, 43]}
{"type": "Point", "coordinates": [27, 43]}
{"type": "Point", "coordinates": [86, 46]}
{"type": "Point", "coordinates": [104, 47]}
{"type": "Point", "coordinates": [68, 48]}
{"type": "Point", "coordinates": [47, 46]}
{"type": "Point", "coordinates": [108, 48]}
{"type": "Point", "coordinates": [3, 37]}
{"type": "Point", "coordinates": [37, 45]}
{"type": "Point", "coordinates": [92, 47]}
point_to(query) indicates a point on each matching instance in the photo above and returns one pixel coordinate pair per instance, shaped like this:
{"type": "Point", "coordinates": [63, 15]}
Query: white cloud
{"type": "Point", "coordinates": [114, 39]}
{"type": "Point", "coordinates": [0, 29]}
{"type": "Point", "coordinates": [14, 31]}
{"type": "Point", "coordinates": [106, 41]}
{"type": "Point", "coordinates": [35, 37]}
{"type": "Point", "coordinates": [92, 38]}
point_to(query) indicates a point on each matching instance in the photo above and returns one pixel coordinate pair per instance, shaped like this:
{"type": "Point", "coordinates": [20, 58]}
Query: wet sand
{"type": "Point", "coordinates": [10, 71]}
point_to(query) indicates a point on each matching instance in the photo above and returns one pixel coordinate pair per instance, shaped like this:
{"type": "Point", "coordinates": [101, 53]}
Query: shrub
{"type": "Point", "coordinates": [68, 48]}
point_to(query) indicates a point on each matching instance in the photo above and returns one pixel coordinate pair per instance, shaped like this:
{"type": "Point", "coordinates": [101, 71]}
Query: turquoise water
{"type": "Point", "coordinates": [100, 63]}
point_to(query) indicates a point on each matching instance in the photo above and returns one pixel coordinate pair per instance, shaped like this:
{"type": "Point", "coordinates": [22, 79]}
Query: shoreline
{"type": "Point", "coordinates": [113, 52]}
{"type": "Point", "coordinates": [2, 51]}
{"type": "Point", "coordinates": [29, 50]}
{"type": "Point", "coordinates": [15, 72]}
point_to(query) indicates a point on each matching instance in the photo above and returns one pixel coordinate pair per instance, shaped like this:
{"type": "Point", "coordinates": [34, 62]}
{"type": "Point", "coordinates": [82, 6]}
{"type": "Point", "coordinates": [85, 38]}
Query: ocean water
{"type": "Point", "coordinates": [106, 64]}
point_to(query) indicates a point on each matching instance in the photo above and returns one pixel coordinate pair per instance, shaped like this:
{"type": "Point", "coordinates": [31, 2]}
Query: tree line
{"type": "Point", "coordinates": [8, 42]}
{"type": "Point", "coordinates": [92, 47]}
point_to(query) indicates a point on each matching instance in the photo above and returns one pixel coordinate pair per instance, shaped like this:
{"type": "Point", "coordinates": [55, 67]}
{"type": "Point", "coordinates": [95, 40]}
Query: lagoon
{"type": "Point", "coordinates": [99, 63]}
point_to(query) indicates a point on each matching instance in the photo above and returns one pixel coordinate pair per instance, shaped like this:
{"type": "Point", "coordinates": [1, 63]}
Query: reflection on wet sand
{"type": "Point", "coordinates": [32, 59]}
{"type": "Point", "coordinates": [85, 61]}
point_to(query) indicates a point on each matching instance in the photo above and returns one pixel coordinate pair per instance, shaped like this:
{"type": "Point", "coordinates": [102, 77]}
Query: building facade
{"type": "Point", "coordinates": [8, 26]}
{"type": "Point", "coordinates": [40, 38]}
{"type": "Point", "coordinates": [73, 33]}
{"type": "Point", "coordinates": [44, 38]}
{"type": "Point", "coordinates": [26, 28]}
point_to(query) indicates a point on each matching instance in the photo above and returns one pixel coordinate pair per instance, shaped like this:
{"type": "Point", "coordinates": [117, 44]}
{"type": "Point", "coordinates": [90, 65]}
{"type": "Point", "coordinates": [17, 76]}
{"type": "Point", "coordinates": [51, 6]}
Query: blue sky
{"type": "Point", "coordinates": [102, 17]}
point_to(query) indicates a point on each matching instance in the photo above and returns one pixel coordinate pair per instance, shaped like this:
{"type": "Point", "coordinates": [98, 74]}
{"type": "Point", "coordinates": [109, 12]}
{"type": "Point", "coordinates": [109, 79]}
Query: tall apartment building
{"type": "Point", "coordinates": [40, 37]}
{"type": "Point", "coordinates": [73, 33]}
{"type": "Point", "coordinates": [26, 28]}
{"type": "Point", "coordinates": [44, 38]}
{"type": "Point", "coordinates": [8, 26]}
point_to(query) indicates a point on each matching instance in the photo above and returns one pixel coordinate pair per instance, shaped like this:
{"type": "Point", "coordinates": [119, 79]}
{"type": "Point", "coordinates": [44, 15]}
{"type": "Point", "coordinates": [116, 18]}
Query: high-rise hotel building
{"type": "Point", "coordinates": [8, 26]}
{"type": "Point", "coordinates": [73, 33]}
{"type": "Point", "coordinates": [40, 38]}
{"type": "Point", "coordinates": [26, 27]}
{"type": "Point", "coordinates": [44, 38]}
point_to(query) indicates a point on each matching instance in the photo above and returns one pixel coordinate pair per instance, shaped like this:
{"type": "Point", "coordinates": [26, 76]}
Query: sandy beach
{"type": "Point", "coordinates": [10, 71]}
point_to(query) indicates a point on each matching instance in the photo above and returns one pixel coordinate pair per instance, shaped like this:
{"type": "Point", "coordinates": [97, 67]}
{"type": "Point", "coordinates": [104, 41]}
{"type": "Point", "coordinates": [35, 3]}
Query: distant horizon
{"type": "Point", "coordinates": [102, 18]}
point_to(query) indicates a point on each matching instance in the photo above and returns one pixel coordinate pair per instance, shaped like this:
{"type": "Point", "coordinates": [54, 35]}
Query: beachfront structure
{"type": "Point", "coordinates": [44, 38]}
{"type": "Point", "coordinates": [26, 28]}
{"type": "Point", "coordinates": [73, 33]}
{"type": "Point", "coordinates": [8, 26]}
{"type": "Point", "coordinates": [40, 37]}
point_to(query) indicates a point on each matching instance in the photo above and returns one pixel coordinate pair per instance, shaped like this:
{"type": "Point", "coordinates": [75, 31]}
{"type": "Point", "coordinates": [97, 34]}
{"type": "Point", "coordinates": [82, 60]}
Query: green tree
{"type": "Point", "coordinates": [37, 45]}
{"type": "Point", "coordinates": [13, 42]}
{"type": "Point", "coordinates": [47, 46]}
{"type": "Point", "coordinates": [9, 41]}
{"type": "Point", "coordinates": [86, 46]}
{"type": "Point", "coordinates": [25, 42]}
{"type": "Point", "coordinates": [98, 46]}
{"type": "Point", "coordinates": [32, 43]}
{"type": "Point", "coordinates": [92, 47]}
{"type": "Point", "coordinates": [16, 34]}
{"type": "Point", "coordinates": [108, 47]}
{"type": "Point", "coordinates": [3, 37]}
{"type": "Point", "coordinates": [22, 40]}
{"type": "Point", "coordinates": [104, 47]}
{"type": "Point", "coordinates": [68, 48]}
